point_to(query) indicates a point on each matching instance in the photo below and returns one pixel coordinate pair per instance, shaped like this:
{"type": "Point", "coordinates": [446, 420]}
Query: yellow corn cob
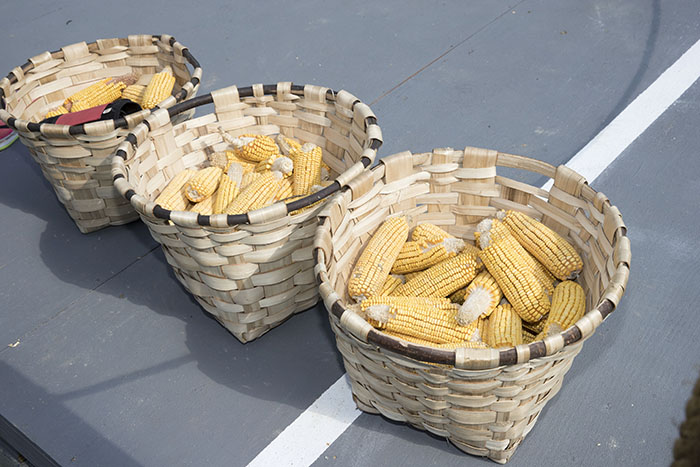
{"type": "Point", "coordinates": [325, 172]}
{"type": "Point", "coordinates": [374, 264]}
{"type": "Point", "coordinates": [432, 319]}
{"type": "Point", "coordinates": [224, 159]}
{"type": "Point", "coordinates": [248, 178]}
{"type": "Point", "coordinates": [482, 296]}
{"type": "Point", "coordinates": [134, 93]}
{"type": "Point", "coordinates": [253, 148]}
{"type": "Point", "coordinates": [505, 327]}
{"type": "Point", "coordinates": [285, 190]}
{"type": "Point", "coordinates": [420, 255]}
{"type": "Point", "coordinates": [541, 273]}
{"type": "Point", "coordinates": [204, 207]}
{"type": "Point", "coordinates": [449, 346]}
{"type": "Point", "coordinates": [568, 306]}
{"type": "Point", "coordinates": [60, 110]}
{"type": "Point", "coordinates": [536, 327]}
{"type": "Point", "coordinates": [458, 296]}
{"type": "Point", "coordinates": [442, 279]}
{"type": "Point", "coordinates": [159, 88]}
{"type": "Point", "coordinates": [477, 235]}
{"type": "Point", "coordinates": [173, 196]}
{"type": "Point", "coordinates": [547, 246]}
{"type": "Point", "coordinates": [410, 275]}
{"type": "Point", "coordinates": [504, 259]}
{"type": "Point", "coordinates": [227, 191]}
{"type": "Point", "coordinates": [286, 145]}
{"type": "Point", "coordinates": [430, 233]}
{"type": "Point", "coordinates": [203, 184]}
{"type": "Point", "coordinates": [99, 93]}
{"type": "Point", "coordinates": [528, 336]}
{"type": "Point", "coordinates": [393, 281]}
{"type": "Point", "coordinates": [307, 168]}
{"type": "Point", "coordinates": [128, 79]}
{"type": "Point", "coordinates": [257, 194]}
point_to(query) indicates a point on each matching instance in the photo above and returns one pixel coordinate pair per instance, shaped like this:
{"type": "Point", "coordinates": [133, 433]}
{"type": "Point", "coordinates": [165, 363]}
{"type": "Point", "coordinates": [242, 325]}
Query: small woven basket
{"type": "Point", "coordinates": [75, 159]}
{"type": "Point", "coordinates": [251, 271]}
{"type": "Point", "coordinates": [484, 401]}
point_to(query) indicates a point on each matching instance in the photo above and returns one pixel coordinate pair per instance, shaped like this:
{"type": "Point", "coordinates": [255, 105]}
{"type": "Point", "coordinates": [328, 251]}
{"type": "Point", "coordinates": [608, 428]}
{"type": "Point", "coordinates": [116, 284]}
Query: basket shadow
{"type": "Point", "coordinates": [292, 364]}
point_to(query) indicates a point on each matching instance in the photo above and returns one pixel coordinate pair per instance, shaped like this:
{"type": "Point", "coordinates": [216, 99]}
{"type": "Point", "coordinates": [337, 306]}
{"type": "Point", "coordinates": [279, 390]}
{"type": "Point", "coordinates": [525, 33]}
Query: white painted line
{"type": "Point", "coordinates": [594, 157]}
{"type": "Point", "coordinates": [302, 442]}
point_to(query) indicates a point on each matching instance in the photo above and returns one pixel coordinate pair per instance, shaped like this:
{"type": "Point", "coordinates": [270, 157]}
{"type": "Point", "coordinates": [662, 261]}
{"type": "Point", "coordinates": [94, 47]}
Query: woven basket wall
{"type": "Point", "coordinates": [251, 271]}
{"type": "Point", "coordinates": [76, 159]}
{"type": "Point", "coordinates": [484, 401]}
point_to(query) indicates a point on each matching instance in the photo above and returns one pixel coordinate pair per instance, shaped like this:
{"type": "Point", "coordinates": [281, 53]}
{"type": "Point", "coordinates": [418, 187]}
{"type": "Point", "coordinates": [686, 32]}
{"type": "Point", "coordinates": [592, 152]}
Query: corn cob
{"type": "Point", "coordinates": [96, 94]}
{"type": "Point", "coordinates": [134, 93]}
{"type": "Point", "coordinates": [528, 336]}
{"type": "Point", "coordinates": [458, 296]}
{"type": "Point", "coordinates": [60, 110]}
{"type": "Point", "coordinates": [482, 296]}
{"type": "Point", "coordinates": [449, 346]}
{"type": "Point", "coordinates": [286, 145]}
{"type": "Point", "coordinates": [257, 194]}
{"type": "Point", "coordinates": [420, 255]}
{"type": "Point", "coordinates": [430, 233]}
{"type": "Point", "coordinates": [284, 165]}
{"type": "Point", "coordinates": [536, 327]}
{"type": "Point", "coordinates": [285, 190]}
{"type": "Point", "coordinates": [442, 279]}
{"type": "Point", "coordinates": [128, 79]}
{"type": "Point", "coordinates": [410, 275]}
{"type": "Point", "coordinates": [204, 207]}
{"type": "Point", "coordinates": [325, 172]}
{"type": "Point", "coordinates": [173, 196]}
{"type": "Point", "coordinates": [505, 327]}
{"type": "Point", "coordinates": [159, 88]}
{"type": "Point", "coordinates": [432, 319]}
{"type": "Point", "coordinates": [227, 191]}
{"type": "Point", "coordinates": [248, 178]}
{"type": "Point", "coordinates": [307, 168]}
{"type": "Point", "coordinates": [253, 148]}
{"type": "Point", "coordinates": [375, 262]}
{"type": "Point", "coordinates": [547, 246]}
{"type": "Point", "coordinates": [393, 281]}
{"type": "Point", "coordinates": [568, 306]}
{"type": "Point", "coordinates": [203, 184]}
{"type": "Point", "coordinates": [504, 259]}
{"type": "Point", "coordinates": [541, 273]}
{"type": "Point", "coordinates": [224, 159]}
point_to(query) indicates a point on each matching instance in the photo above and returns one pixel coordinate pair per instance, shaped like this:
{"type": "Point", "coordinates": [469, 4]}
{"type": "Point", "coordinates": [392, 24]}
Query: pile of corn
{"type": "Point", "coordinates": [254, 172]}
{"type": "Point", "coordinates": [158, 88]}
{"type": "Point", "coordinates": [515, 286]}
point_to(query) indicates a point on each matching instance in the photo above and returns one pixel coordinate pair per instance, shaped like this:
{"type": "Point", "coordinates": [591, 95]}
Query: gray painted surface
{"type": "Point", "coordinates": [625, 395]}
{"type": "Point", "coordinates": [117, 365]}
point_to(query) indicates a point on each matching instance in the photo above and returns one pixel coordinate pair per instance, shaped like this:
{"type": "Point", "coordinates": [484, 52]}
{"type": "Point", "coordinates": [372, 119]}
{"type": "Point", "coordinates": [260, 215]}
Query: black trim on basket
{"type": "Point", "coordinates": [161, 212]}
{"type": "Point", "coordinates": [129, 194]}
{"type": "Point", "coordinates": [121, 153]}
{"type": "Point", "coordinates": [193, 61]}
{"type": "Point", "coordinates": [131, 139]}
{"type": "Point", "coordinates": [203, 220]}
{"type": "Point", "coordinates": [416, 352]}
{"type": "Point", "coordinates": [171, 41]}
{"type": "Point", "coordinates": [236, 219]}
{"type": "Point", "coordinates": [145, 122]}
{"type": "Point", "coordinates": [337, 309]}
{"type": "Point", "coordinates": [117, 177]}
{"type": "Point", "coordinates": [375, 144]}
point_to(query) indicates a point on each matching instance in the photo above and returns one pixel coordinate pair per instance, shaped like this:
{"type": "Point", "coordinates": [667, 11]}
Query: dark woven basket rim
{"type": "Point", "coordinates": [238, 219]}
{"type": "Point", "coordinates": [79, 129]}
{"type": "Point", "coordinates": [506, 355]}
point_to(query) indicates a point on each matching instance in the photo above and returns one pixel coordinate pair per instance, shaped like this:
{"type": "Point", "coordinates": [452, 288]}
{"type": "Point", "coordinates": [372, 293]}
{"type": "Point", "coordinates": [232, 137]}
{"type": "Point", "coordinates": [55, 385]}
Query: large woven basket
{"type": "Point", "coordinates": [484, 401]}
{"type": "Point", "coordinates": [251, 271]}
{"type": "Point", "coordinates": [76, 159]}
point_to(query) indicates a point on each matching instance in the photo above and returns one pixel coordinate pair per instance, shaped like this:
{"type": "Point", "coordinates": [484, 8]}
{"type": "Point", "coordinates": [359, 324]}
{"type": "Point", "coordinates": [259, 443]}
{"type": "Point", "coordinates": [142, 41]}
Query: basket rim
{"type": "Point", "coordinates": [230, 220]}
{"type": "Point", "coordinates": [464, 358]}
{"type": "Point", "coordinates": [121, 122]}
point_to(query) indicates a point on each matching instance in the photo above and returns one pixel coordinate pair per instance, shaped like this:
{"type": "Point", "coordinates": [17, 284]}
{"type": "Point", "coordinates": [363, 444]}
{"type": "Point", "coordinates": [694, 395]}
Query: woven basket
{"type": "Point", "coordinates": [484, 401]}
{"type": "Point", "coordinates": [251, 271]}
{"type": "Point", "coordinates": [76, 159]}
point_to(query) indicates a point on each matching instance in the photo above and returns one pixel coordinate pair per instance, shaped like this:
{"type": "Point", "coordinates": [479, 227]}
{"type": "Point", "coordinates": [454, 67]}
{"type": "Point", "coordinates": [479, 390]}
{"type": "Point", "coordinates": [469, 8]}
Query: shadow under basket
{"type": "Point", "coordinates": [76, 159]}
{"type": "Point", "coordinates": [484, 401]}
{"type": "Point", "coordinates": [251, 271]}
